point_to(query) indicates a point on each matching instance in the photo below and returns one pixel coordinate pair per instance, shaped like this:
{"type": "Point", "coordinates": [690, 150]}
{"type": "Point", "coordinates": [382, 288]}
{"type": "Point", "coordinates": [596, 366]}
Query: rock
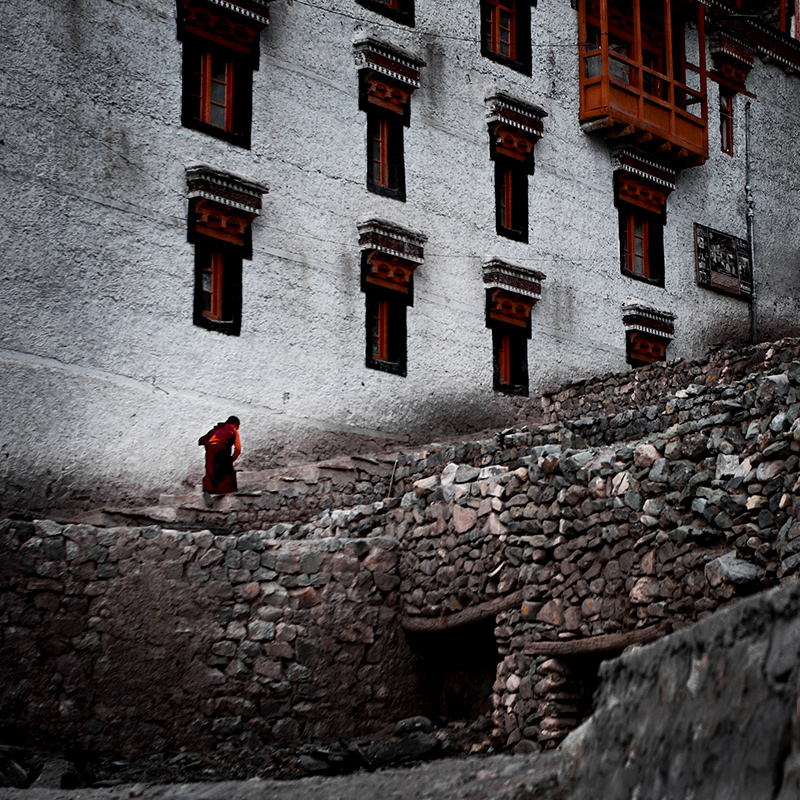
{"type": "Point", "coordinates": [466, 474]}
{"type": "Point", "coordinates": [730, 569]}
{"type": "Point", "coordinates": [410, 724]}
{"type": "Point", "coordinates": [645, 455]}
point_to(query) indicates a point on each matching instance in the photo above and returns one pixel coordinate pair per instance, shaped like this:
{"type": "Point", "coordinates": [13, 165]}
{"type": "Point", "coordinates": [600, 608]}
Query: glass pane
{"type": "Point", "coordinates": [217, 116]}
{"type": "Point", "coordinates": [218, 69]}
{"type": "Point", "coordinates": [218, 93]}
{"type": "Point", "coordinates": [206, 281]}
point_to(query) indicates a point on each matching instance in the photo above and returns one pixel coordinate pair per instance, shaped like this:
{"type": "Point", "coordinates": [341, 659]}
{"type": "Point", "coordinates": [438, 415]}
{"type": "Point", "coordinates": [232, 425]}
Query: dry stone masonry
{"type": "Point", "coordinates": [570, 540]}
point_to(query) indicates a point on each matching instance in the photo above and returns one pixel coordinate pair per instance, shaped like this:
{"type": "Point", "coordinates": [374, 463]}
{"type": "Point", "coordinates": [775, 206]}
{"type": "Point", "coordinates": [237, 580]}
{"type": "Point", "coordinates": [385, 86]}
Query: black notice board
{"type": "Point", "coordinates": [723, 262]}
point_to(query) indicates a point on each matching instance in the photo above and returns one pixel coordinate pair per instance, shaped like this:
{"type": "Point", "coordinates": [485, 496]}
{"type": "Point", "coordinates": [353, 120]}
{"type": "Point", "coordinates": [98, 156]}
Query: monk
{"type": "Point", "coordinates": [220, 477]}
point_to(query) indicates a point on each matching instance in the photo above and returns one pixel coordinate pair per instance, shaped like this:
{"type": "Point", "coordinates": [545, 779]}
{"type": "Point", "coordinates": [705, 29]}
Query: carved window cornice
{"type": "Point", "coordinates": [511, 292]}
{"type": "Point", "coordinates": [388, 60]}
{"type": "Point", "coordinates": [515, 127]}
{"type": "Point", "coordinates": [387, 76]}
{"type": "Point", "coordinates": [390, 255]}
{"type": "Point", "coordinates": [648, 333]}
{"type": "Point", "coordinates": [641, 181]}
{"type": "Point", "coordinates": [732, 58]}
{"type": "Point", "coordinates": [767, 40]}
{"type": "Point", "coordinates": [223, 205]}
{"type": "Point", "coordinates": [236, 24]}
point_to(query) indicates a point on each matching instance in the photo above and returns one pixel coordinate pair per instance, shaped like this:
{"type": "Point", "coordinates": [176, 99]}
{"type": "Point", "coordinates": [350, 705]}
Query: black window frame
{"type": "Point", "coordinates": [396, 187]}
{"type": "Point", "coordinates": [404, 14]}
{"type": "Point", "coordinates": [243, 68]}
{"type": "Point", "coordinates": [397, 305]}
{"type": "Point", "coordinates": [233, 257]}
{"type": "Point", "coordinates": [522, 31]}
{"type": "Point", "coordinates": [518, 340]}
{"type": "Point", "coordinates": [519, 194]}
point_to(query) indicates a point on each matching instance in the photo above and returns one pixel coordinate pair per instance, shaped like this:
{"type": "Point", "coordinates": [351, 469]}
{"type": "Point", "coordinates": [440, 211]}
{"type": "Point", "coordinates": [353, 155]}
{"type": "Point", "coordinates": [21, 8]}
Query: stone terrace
{"type": "Point", "coordinates": [571, 540]}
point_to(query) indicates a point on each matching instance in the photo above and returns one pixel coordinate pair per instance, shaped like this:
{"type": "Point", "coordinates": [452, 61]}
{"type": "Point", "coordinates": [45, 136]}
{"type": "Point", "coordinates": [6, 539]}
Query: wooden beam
{"type": "Point", "coordinates": [477, 613]}
{"type": "Point", "coordinates": [597, 645]}
{"type": "Point", "coordinates": [618, 133]}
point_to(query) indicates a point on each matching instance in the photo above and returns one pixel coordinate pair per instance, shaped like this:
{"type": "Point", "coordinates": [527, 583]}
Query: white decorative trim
{"type": "Point", "coordinates": [235, 7]}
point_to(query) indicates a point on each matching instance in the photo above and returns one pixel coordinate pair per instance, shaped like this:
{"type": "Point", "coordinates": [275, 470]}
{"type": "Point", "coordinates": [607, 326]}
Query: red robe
{"type": "Point", "coordinates": [220, 477]}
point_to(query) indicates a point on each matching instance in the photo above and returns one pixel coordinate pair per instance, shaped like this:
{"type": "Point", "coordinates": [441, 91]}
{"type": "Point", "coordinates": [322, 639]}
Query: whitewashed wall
{"type": "Point", "coordinates": [106, 382]}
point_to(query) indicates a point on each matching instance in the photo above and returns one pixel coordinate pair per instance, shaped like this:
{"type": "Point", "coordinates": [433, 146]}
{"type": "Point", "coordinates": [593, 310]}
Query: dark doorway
{"type": "Point", "coordinates": [456, 670]}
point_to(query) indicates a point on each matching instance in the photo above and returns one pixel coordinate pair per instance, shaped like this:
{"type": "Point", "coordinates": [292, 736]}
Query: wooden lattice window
{"type": "Point", "coordinates": [212, 83]}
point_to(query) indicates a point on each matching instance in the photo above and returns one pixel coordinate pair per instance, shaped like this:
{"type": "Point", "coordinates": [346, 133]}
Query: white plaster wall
{"type": "Point", "coordinates": [106, 380]}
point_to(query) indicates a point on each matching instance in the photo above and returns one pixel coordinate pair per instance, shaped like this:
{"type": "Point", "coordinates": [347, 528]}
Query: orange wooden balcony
{"type": "Point", "coordinates": [637, 85]}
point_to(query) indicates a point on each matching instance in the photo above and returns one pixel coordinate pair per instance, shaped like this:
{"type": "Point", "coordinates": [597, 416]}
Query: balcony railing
{"type": "Point", "coordinates": [648, 99]}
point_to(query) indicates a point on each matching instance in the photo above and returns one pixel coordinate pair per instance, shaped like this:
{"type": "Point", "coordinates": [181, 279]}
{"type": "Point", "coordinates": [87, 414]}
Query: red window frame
{"type": "Point", "coordinates": [212, 280]}
{"type": "Point", "coordinates": [726, 121]}
{"type": "Point", "coordinates": [501, 28]}
{"type": "Point", "coordinates": [379, 152]}
{"type": "Point", "coordinates": [380, 331]}
{"type": "Point", "coordinates": [505, 197]}
{"type": "Point", "coordinates": [504, 359]}
{"type": "Point", "coordinates": [215, 92]}
{"type": "Point", "coordinates": [636, 243]}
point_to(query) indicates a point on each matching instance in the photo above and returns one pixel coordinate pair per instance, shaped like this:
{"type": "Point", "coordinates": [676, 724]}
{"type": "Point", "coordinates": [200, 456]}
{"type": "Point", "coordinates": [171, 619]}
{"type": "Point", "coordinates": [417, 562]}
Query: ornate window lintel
{"type": "Point", "coordinates": [511, 292]}
{"type": "Point", "coordinates": [648, 333]}
{"type": "Point", "coordinates": [515, 127]}
{"type": "Point", "coordinates": [393, 62]}
{"type": "Point", "coordinates": [234, 23]}
{"type": "Point", "coordinates": [223, 204]}
{"type": "Point", "coordinates": [390, 255]}
{"type": "Point", "coordinates": [640, 181]}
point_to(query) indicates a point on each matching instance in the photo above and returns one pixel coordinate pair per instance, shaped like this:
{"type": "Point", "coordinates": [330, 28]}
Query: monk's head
{"type": "Point", "coordinates": [232, 421]}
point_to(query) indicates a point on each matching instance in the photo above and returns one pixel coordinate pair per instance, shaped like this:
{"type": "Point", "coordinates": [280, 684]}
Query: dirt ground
{"type": "Point", "coordinates": [476, 778]}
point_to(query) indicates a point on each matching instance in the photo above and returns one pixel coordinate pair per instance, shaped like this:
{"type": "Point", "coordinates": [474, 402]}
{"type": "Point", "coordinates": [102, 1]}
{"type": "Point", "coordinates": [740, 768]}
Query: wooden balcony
{"type": "Point", "coordinates": [630, 89]}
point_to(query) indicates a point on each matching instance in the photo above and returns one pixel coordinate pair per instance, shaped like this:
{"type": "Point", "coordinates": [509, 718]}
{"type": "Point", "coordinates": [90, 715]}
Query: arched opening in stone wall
{"type": "Point", "coordinates": [456, 670]}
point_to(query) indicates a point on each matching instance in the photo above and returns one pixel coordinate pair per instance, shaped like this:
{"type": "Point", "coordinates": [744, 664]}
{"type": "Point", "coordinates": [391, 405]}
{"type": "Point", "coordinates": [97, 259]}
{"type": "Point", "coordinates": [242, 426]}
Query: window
{"type": "Point", "coordinates": [641, 244]}
{"type": "Point", "coordinates": [389, 256]}
{"type": "Point", "coordinates": [386, 80]}
{"type": "Point", "coordinates": [217, 92]}
{"type": "Point", "coordinates": [511, 294]}
{"type": "Point", "coordinates": [510, 348]}
{"type": "Point", "coordinates": [726, 121]}
{"type": "Point", "coordinates": [398, 10]}
{"type": "Point", "coordinates": [386, 331]}
{"type": "Point", "coordinates": [385, 162]}
{"type": "Point", "coordinates": [220, 53]}
{"type": "Point", "coordinates": [511, 199]}
{"type": "Point", "coordinates": [506, 33]}
{"type": "Point", "coordinates": [218, 285]}
{"type": "Point", "coordinates": [221, 208]}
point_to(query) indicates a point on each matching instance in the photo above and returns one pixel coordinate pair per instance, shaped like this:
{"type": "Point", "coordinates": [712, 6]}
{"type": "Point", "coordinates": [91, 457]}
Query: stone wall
{"type": "Point", "coordinates": [136, 640]}
{"type": "Point", "coordinates": [623, 407]}
{"type": "Point", "coordinates": [708, 712]}
{"type": "Point", "coordinates": [574, 551]}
